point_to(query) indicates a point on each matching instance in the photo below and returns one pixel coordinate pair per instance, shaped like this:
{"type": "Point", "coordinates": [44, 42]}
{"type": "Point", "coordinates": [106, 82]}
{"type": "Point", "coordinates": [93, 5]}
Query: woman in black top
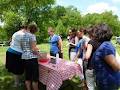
{"type": "Point", "coordinates": [91, 48]}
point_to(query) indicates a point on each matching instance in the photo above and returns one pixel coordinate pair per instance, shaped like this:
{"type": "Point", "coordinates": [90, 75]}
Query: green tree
{"type": "Point", "coordinates": [3, 35]}
{"type": "Point", "coordinates": [29, 10]}
{"type": "Point", "coordinates": [105, 17]}
{"type": "Point", "coordinates": [13, 13]}
{"type": "Point", "coordinates": [112, 21]}
{"type": "Point", "coordinates": [60, 29]}
{"type": "Point", "coordinates": [57, 13]}
{"type": "Point", "coordinates": [72, 18]}
{"type": "Point", "coordinates": [12, 23]}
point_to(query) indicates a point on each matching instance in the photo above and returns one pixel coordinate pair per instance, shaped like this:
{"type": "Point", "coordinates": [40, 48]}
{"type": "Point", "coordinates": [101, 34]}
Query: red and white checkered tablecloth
{"type": "Point", "coordinates": [52, 75]}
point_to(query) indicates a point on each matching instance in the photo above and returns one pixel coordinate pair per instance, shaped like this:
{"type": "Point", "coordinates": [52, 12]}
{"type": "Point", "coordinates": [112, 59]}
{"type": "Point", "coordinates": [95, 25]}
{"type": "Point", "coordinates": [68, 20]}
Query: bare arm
{"type": "Point", "coordinates": [34, 46]}
{"type": "Point", "coordinates": [111, 60]}
{"type": "Point", "coordinates": [88, 51]}
{"type": "Point", "coordinates": [76, 41]}
{"type": "Point", "coordinates": [60, 45]}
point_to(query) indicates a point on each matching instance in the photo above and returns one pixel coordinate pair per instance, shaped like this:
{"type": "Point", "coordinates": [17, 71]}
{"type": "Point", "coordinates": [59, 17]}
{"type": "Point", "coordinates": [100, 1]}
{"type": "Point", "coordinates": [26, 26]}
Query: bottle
{"type": "Point", "coordinates": [57, 58]}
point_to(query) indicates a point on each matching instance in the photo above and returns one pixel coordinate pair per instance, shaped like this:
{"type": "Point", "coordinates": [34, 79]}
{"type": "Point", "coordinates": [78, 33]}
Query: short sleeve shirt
{"type": "Point", "coordinates": [16, 41]}
{"type": "Point", "coordinates": [82, 42]}
{"type": "Point", "coordinates": [27, 39]}
{"type": "Point", "coordinates": [54, 44]}
{"type": "Point", "coordinates": [79, 45]}
{"type": "Point", "coordinates": [95, 45]}
{"type": "Point", "coordinates": [105, 75]}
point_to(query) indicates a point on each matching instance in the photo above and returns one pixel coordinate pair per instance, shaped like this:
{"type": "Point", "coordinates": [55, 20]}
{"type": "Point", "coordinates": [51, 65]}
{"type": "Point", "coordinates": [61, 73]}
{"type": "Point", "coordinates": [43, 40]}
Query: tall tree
{"type": "Point", "coordinates": [29, 10]}
{"type": "Point", "coordinates": [72, 17]}
{"type": "Point", "coordinates": [12, 23]}
{"type": "Point", "coordinates": [3, 35]}
{"type": "Point", "coordinates": [105, 17]}
{"type": "Point", "coordinates": [60, 28]}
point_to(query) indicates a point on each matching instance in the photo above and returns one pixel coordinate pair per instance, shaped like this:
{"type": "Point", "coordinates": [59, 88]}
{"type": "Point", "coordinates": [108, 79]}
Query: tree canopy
{"type": "Point", "coordinates": [44, 13]}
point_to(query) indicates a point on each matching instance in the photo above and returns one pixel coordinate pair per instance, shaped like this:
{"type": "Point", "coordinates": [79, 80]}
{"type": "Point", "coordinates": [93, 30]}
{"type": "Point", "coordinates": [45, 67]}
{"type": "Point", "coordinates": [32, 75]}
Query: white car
{"type": "Point", "coordinates": [118, 39]}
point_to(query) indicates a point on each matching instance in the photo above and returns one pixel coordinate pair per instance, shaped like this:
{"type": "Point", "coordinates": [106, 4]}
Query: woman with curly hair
{"type": "Point", "coordinates": [104, 62]}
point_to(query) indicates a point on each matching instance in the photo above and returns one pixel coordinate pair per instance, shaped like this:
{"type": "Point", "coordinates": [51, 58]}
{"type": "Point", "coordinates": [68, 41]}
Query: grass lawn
{"type": "Point", "coordinates": [6, 79]}
{"type": "Point", "coordinates": [116, 45]}
{"type": "Point", "coordinates": [45, 47]}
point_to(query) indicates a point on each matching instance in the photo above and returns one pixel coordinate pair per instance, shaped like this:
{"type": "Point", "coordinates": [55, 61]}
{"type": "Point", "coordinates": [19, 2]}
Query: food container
{"type": "Point", "coordinates": [43, 57]}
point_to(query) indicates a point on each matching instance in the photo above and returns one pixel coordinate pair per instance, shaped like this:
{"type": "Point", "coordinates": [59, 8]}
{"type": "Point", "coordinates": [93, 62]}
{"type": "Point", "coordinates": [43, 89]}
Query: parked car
{"type": "Point", "coordinates": [118, 40]}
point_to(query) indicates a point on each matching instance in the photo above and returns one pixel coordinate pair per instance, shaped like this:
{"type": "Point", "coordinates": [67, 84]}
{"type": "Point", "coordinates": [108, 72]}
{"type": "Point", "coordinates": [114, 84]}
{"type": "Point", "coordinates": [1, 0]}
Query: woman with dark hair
{"type": "Point", "coordinates": [30, 55]}
{"type": "Point", "coordinates": [91, 48]}
{"type": "Point", "coordinates": [73, 40]}
{"type": "Point", "coordinates": [104, 62]}
{"type": "Point", "coordinates": [80, 50]}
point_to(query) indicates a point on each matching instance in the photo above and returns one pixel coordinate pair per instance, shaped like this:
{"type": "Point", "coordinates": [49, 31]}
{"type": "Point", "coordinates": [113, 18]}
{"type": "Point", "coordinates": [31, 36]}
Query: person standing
{"type": "Point", "coordinates": [80, 54]}
{"type": "Point", "coordinates": [73, 41]}
{"type": "Point", "coordinates": [55, 43]}
{"type": "Point", "coordinates": [14, 63]}
{"type": "Point", "coordinates": [105, 65]}
{"type": "Point", "coordinates": [30, 56]}
{"type": "Point", "coordinates": [91, 48]}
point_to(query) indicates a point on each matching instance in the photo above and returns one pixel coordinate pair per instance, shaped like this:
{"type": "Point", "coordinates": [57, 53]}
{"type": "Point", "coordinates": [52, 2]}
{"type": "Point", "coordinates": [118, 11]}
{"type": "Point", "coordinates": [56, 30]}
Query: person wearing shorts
{"type": "Point", "coordinates": [30, 56]}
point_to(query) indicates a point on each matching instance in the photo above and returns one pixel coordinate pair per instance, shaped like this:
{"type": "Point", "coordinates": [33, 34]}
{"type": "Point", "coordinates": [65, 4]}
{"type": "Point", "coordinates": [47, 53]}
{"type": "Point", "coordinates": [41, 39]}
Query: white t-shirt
{"type": "Point", "coordinates": [87, 39]}
{"type": "Point", "coordinates": [16, 41]}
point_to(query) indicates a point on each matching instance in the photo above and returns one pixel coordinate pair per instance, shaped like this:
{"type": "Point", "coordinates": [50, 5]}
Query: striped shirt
{"type": "Point", "coordinates": [26, 44]}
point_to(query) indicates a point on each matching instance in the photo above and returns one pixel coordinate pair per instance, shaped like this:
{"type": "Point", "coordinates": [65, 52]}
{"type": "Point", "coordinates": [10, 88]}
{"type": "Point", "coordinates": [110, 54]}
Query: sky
{"type": "Point", "coordinates": [91, 6]}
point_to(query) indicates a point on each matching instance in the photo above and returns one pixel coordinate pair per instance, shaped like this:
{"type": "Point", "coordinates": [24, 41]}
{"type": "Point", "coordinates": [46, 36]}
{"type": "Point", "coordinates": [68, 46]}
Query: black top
{"type": "Point", "coordinates": [95, 45]}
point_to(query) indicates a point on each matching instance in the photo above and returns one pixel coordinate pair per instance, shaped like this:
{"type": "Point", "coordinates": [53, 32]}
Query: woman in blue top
{"type": "Point", "coordinates": [55, 43]}
{"type": "Point", "coordinates": [104, 61]}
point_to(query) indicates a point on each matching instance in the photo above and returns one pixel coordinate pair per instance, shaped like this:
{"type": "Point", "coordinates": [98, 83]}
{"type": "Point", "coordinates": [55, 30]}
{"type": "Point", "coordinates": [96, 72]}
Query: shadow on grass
{"type": "Point", "coordinates": [6, 80]}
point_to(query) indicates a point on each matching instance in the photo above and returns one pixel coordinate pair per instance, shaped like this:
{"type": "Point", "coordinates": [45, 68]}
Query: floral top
{"type": "Point", "coordinates": [106, 77]}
